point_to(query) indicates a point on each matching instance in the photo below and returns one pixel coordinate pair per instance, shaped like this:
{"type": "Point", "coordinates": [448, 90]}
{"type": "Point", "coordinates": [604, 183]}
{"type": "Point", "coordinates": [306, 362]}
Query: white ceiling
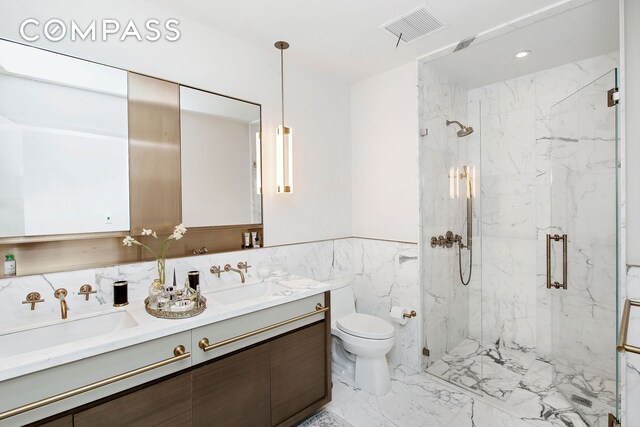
{"type": "Point", "coordinates": [583, 32]}
{"type": "Point", "coordinates": [342, 38]}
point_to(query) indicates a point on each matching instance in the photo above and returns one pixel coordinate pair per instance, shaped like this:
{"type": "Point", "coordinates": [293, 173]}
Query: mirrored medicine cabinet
{"type": "Point", "coordinates": [91, 153]}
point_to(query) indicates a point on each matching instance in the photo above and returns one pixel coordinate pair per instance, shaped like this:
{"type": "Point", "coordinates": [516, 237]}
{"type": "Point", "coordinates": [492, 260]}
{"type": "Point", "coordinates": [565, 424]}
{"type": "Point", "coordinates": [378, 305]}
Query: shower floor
{"type": "Point", "coordinates": [523, 384]}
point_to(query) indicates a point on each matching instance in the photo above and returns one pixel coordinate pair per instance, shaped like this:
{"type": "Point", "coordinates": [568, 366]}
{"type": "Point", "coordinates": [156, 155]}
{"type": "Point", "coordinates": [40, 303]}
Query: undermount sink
{"type": "Point", "coordinates": [64, 332]}
{"type": "Point", "coordinates": [244, 292]}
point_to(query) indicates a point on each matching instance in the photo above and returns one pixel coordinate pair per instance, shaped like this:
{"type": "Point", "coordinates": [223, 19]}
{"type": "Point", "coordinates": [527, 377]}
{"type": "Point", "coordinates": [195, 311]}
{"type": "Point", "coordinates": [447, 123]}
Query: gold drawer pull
{"type": "Point", "coordinates": [179, 353]}
{"type": "Point", "coordinates": [204, 342]}
{"type": "Point", "coordinates": [624, 328]}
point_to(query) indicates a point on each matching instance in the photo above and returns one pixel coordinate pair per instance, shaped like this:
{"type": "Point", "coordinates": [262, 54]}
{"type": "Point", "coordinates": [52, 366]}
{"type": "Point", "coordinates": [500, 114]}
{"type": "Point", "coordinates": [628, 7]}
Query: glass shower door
{"type": "Point", "coordinates": [582, 264]}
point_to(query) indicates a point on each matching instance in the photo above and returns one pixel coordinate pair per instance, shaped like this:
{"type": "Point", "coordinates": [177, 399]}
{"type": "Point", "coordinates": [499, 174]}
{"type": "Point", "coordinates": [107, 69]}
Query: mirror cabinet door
{"type": "Point", "coordinates": [220, 149]}
{"type": "Point", "coordinates": [64, 144]}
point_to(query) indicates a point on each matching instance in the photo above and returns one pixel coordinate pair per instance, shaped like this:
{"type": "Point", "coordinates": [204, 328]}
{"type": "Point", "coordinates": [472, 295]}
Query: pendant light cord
{"type": "Point", "coordinates": [282, 81]}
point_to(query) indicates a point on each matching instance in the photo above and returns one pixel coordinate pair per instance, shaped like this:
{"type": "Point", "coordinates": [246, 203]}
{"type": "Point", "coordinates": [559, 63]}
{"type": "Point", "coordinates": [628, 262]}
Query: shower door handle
{"type": "Point", "coordinates": [624, 328]}
{"type": "Point", "coordinates": [557, 237]}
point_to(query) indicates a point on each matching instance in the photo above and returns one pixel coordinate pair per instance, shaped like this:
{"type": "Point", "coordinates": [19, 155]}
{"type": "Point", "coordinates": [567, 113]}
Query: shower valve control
{"type": "Point", "coordinates": [445, 241]}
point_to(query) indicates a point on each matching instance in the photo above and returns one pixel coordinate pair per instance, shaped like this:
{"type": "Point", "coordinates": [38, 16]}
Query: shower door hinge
{"type": "Point", "coordinates": [425, 351]}
{"type": "Point", "coordinates": [613, 97]}
{"type": "Point", "coordinates": [613, 421]}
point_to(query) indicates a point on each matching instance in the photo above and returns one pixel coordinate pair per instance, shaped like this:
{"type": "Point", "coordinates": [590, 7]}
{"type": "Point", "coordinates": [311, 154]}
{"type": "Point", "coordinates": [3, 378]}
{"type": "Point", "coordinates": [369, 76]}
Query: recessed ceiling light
{"type": "Point", "coordinates": [523, 53]}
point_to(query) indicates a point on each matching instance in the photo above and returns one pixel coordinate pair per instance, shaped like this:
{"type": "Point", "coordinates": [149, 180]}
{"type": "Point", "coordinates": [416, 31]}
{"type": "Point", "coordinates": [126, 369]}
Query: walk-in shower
{"type": "Point", "coordinates": [517, 190]}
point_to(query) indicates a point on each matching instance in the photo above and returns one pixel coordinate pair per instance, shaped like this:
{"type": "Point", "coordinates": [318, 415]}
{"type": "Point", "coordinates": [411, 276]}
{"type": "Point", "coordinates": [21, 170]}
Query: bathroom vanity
{"type": "Point", "coordinates": [261, 362]}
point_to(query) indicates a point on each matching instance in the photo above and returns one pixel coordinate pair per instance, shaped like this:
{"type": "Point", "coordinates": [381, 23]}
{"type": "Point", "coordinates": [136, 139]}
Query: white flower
{"type": "Point", "coordinates": [178, 232]}
{"type": "Point", "coordinates": [128, 241]}
{"type": "Point", "coordinates": [146, 232]}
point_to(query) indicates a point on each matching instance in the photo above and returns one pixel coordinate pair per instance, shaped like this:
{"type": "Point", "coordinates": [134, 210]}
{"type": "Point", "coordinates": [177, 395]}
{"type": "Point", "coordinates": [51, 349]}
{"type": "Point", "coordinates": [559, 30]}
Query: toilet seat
{"type": "Point", "coordinates": [365, 326]}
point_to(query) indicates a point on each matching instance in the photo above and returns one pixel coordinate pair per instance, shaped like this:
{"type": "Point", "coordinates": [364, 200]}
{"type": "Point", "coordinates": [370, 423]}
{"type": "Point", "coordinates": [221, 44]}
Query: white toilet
{"type": "Point", "coordinates": [360, 341]}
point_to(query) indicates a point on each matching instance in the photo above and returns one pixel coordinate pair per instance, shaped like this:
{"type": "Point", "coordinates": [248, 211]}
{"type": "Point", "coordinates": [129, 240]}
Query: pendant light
{"type": "Point", "coordinates": [284, 138]}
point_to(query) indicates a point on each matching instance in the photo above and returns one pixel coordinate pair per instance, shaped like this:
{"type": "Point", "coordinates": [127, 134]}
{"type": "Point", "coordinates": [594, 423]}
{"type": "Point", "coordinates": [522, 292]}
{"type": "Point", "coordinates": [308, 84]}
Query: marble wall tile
{"type": "Point", "coordinates": [386, 274]}
{"type": "Point", "coordinates": [445, 301]}
{"type": "Point", "coordinates": [323, 260]}
{"type": "Point", "coordinates": [508, 206]}
{"type": "Point", "coordinates": [631, 362]}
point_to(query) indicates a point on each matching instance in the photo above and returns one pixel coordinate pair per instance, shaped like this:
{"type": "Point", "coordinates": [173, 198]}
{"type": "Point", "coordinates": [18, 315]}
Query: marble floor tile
{"type": "Point", "coordinates": [525, 385]}
{"type": "Point", "coordinates": [517, 390]}
{"type": "Point", "coordinates": [493, 370]}
{"type": "Point", "coordinates": [414, 400]}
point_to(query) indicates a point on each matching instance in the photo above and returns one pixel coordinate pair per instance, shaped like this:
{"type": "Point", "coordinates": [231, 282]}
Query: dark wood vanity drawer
{"type": "Point", "coordinates": [167, 403]}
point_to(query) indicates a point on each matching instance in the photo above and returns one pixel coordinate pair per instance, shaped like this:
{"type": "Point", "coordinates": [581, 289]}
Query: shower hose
{"type": "Point", "coordinates": [465, 283]}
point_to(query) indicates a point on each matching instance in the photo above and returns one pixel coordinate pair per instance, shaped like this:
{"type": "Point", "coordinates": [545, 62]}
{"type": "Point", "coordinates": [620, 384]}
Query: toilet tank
{"type": "Point", "coordinates": [342, 299]}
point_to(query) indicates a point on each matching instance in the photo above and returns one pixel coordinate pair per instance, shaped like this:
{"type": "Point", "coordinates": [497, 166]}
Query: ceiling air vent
{"type": "Point", "coordinates": [413, 25]}
{"type": "Point", "coordinates": [464, 43]}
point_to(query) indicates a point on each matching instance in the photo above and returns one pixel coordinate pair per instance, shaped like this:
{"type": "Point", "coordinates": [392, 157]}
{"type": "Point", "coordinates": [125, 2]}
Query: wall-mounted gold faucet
{"type": "Point", "coordinates": [228, 268]}
{"type": "Point", "coordinates": [61, 294]}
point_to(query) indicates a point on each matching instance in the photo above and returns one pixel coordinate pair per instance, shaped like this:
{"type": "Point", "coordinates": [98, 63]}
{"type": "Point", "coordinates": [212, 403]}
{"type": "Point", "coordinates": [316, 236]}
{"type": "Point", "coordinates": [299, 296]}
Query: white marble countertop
{"type": "Point", "coordinates": [148, 327]}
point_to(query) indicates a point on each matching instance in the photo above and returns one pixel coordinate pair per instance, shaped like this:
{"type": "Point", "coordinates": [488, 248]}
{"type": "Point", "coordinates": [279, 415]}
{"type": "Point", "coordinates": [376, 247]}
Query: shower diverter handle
{"type": "Point", "coordinates": [445, 241]}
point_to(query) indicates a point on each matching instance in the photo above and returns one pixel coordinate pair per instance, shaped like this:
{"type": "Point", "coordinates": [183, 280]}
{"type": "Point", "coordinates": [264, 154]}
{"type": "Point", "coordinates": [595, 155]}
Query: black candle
{"type": "Point", "coordinates": [194, 279]}
{"type": "Point", "coordinates": [120, 293]}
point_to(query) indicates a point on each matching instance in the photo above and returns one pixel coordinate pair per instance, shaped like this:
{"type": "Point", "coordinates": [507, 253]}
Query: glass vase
{"type": "Point", "coordinates": [161, 270]}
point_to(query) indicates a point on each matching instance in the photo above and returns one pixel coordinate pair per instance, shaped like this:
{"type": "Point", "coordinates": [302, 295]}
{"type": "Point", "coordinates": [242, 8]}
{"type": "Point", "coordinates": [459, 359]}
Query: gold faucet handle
{"type": "Point", "coordinates": [244, 266]}
{"type": "Point", "coordinates": [215, 270]}
{"type": "Point", "coordinates": [33, 298]}
{"type": "Point", "coordinates": [86, 290]}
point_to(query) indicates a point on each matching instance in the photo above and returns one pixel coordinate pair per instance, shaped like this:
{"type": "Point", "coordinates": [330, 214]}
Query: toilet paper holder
{"type": "Point", "coordinates": [410, 314]}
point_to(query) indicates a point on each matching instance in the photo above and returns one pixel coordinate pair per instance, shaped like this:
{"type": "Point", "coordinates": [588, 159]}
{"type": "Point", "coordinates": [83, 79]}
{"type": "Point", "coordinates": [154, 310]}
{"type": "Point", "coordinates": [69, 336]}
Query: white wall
{"type": "Point", "coordinates": [317, 107]}
{"type": "Point", "coordinates": [384, 151]}
{"type": "Point", "coordinates": [632, 124]}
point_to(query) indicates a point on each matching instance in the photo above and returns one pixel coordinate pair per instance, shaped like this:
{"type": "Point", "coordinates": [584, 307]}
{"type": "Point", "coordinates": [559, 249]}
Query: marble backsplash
{"type": "Point", "coordinates": [385, 273]}
{"type": "Point", "coordinates": [321, 261]}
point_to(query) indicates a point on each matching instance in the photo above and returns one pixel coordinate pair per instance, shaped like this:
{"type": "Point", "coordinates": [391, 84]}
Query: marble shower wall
{"type": "Point", "coordinates": [516, 124]}
{"type": "Point", "coordinates": [446, 302]}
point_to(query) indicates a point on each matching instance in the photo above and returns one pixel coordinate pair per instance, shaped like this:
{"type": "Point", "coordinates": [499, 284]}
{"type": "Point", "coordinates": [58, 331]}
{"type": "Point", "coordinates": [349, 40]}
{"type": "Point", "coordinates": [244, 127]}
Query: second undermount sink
{"type": "Point", "coordinates": [41, 337]}
{"type": "Point", "coordinates": [248, 291]}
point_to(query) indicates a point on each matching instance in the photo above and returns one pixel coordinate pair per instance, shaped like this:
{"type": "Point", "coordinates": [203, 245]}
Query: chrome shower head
{"type": "Point", "coordinates": [464, 130]}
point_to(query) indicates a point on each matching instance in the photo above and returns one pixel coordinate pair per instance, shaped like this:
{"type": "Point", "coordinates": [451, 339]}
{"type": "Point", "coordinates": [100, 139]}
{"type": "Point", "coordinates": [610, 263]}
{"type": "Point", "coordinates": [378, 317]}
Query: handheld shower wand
{"type": "Point", "coordinates": [470, 193]}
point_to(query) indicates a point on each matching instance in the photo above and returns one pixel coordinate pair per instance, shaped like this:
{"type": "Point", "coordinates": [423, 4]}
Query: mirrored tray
{"type": "Point", "coordinates": [176, 314]}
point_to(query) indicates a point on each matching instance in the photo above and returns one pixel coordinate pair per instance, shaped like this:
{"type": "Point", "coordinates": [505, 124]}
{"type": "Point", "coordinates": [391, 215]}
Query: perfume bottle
{"type": "Point", "coordinates": [155, 293]}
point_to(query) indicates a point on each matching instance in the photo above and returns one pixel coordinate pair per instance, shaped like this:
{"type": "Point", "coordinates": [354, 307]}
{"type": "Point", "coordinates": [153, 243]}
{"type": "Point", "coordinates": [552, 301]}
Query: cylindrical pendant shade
{"type": "Point", "coordinates": [284, 159]}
